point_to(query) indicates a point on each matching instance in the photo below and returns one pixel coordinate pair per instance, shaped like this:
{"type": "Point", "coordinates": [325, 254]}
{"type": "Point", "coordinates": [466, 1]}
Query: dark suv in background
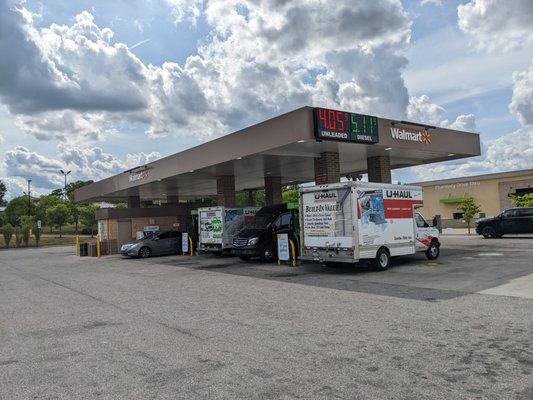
{"type": "Point", "coordinates": [259, 237]}
{"type": "Point", "coordinates": [513, 220]}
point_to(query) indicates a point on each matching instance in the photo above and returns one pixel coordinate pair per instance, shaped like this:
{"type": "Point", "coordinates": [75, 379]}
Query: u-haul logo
{"type": "Point", "coordinates": [325, 196]}
{"type": "Point", "coordinates": [402, 194]}
{"type": "Point", "coordinates": [402, 134]}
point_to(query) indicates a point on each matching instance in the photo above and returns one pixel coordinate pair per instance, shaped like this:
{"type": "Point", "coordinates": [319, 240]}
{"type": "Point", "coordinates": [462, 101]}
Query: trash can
{"type": "Point", "coordinates": [83, 249]}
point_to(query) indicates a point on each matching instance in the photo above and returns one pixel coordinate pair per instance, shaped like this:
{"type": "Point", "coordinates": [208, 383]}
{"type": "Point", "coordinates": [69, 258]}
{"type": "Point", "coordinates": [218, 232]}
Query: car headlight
{"type": "Point", "coordinates": [253, 241]}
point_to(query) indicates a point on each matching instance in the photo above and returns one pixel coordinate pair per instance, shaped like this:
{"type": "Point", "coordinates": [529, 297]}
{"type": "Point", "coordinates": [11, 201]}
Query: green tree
{"type": "Point", "coordinates": [58, 216]}
{"type": "Point", "coordinates": [43, 204]}
{"type": "Point", "coordinates": [15, 209]}
{"type": "Point", "coordinates": [525, 200]}
{"type": "Point", "coordinates": [121, 205]}
{"type": "Point", "coordinates": [7, 231]}
{"type": "Point", "coordinates": [470, 208]}
{"type": "Point", "coordinates": [88, 217]}
{"type": "Point", "coordinates": [290, 194]}
{"type": "Point", "coordinates": [3, 191]}
{"type": "Point", "coordinates": [26, 224]}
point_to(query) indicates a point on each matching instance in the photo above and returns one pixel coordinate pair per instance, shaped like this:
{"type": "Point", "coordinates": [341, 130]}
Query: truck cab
{"type": "Point", "coordinates": [259, 237]}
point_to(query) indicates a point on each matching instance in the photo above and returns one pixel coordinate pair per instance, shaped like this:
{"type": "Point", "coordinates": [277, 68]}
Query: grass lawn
{"type": "Point", "coordinates": [50, 240]}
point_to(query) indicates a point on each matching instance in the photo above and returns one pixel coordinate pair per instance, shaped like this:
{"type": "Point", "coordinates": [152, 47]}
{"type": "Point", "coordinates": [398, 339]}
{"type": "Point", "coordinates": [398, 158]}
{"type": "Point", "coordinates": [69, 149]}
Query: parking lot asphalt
{"type": "Point", "coordinates": [181, 327]}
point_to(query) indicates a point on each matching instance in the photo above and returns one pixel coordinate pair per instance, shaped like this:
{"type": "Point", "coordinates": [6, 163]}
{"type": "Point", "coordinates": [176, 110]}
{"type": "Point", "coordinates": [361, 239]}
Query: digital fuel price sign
{"type": "Point", "coordinates": [345, 126]}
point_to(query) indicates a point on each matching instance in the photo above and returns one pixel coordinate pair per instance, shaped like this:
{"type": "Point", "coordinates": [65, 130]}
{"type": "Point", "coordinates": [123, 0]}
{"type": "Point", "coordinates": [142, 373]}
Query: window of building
{"type": "Point", "coordinates": [458, 215]}
{"type": "Point", "coordinates": [522, 191]}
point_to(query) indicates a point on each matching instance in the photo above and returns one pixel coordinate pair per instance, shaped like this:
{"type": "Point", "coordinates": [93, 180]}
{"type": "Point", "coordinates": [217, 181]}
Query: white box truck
{"type": "Point", "coordinates": [218, 225]}
{"type": "Point", "coordinates": [351, 221]}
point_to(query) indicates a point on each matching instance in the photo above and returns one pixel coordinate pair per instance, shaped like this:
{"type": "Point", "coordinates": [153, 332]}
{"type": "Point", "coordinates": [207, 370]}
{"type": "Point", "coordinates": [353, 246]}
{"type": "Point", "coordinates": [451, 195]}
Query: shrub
{"type": "Point", "coordinates": [18, 236]}
{"type": "Point", "coordinates": [26, 224]}
{"type": "Point", "coordinates": [7, 231]}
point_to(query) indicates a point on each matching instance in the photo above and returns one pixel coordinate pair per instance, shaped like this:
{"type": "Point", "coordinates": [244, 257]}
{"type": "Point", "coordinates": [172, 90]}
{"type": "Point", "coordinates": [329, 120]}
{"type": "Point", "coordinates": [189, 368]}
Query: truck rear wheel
{"type": "Point", "coordinates": [382, 260]}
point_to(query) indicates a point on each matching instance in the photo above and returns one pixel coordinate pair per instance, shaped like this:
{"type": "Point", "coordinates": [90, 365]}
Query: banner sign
{"type": "Point", "coordinates": [184, 243]}
{"type": "Point", "coordinates": [283, 247]}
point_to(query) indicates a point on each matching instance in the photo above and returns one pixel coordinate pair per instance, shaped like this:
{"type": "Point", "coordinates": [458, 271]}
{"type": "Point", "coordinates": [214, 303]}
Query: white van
{"type": "Point", "coordinates": [350, 221]}
{"type": "Point", "coordinates": [218, 225]}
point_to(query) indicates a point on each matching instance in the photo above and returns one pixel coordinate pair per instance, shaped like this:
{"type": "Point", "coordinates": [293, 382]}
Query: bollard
{"type": "Point", "coordinates": [293, 252]}
{"type": "Point", "coordinates": [98, 246]}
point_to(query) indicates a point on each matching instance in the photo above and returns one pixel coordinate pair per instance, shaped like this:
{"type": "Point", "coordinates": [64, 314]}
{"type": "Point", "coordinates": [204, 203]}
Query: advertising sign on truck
{"type": "Point", "coordinates": [218, 225]}
{"type": "Point", "coordinates": [349, 221]}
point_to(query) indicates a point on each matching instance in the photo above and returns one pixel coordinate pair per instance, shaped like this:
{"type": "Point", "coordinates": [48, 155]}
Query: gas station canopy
{"type": "Point", "coordinates": [286, 147]}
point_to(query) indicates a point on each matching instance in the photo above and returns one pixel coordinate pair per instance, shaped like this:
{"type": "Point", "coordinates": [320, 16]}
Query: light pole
{"type": "Point", "coordinates": [65, 175]}
{"type": "Point", "coordinates": [29, 196]}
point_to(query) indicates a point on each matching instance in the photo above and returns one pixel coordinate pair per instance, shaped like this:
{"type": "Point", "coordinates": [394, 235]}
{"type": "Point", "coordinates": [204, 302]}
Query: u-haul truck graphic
{"type": "Point", "coordinates": [218, 225]}
{"type": "Point", "coordinates": [349, 221]}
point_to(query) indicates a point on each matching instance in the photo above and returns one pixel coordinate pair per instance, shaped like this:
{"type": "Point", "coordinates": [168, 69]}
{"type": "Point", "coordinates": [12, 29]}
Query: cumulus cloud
{"type": "Point", "coordinates": [43, 171]}
{"type": "Point", "coordinates": [513, 151]}
{"type": "Point", "coordinates": [421, 109]}
{"type": "Point", "coordinates": [498, 25]}
{"type": "Point", "coordinates": [261, 58]}
{"type": "Point", "coordinates": [522, 100]}
{"type": "Point", "coordinates": [62, 67]}
{"type": "Point", "coordinates": [60, 125]}
{"type": "Point", "coordinates": [434, 2]}
{"type": "Point", "coordinates": [85, 163]}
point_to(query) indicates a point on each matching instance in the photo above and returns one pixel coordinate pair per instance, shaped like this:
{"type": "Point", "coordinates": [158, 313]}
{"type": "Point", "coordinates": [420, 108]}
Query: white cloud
{"type": "Point", "coordinates": [60, 125]}
{"type": "Point", "coordinates": [186, 10]}
{"type": "Point", "coordinates": [421, 109]}
{"type": "Point", "coordinates": [433, 2]}
{"type": "Point", "coordinates": [86, 163]}
{"type": "Point", "coordinates": [513, 151]}
{"type": "Point", "coordinates": [62, 67]}
{"type": "Point", "coordinates": [464, 122]}
{"type": "Point", "coordinates": [261, 58]}
{"type": "Point", "coordinates": [522, 101]}
{"type": "Point", "coordinates": [43, 171]}
{"type": "Point", "coordinates": [498, 25]}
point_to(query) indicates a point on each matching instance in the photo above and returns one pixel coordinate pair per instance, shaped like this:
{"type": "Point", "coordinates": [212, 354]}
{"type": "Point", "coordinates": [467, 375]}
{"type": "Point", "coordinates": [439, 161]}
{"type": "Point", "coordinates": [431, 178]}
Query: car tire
{"type": "Point", "coordinates": [245, 258]}
{"type": "Point", "coordinates": [383, 259]}
{"type": "Point", "coordinates": [268, 254]}
{"type": "Point", "coordinates": [433, 251]}
{"type": "Point", "coordinates": [488, 232]}
{"type": "Point", "coordinates": [145, 252]}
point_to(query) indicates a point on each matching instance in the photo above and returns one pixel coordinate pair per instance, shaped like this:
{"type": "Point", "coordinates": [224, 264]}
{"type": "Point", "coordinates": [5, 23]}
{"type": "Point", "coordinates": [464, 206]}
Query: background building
{"type": "Point", "coordinates": [491, 191]}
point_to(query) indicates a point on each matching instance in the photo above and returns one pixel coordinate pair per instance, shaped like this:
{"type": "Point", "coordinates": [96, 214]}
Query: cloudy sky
{"type": "Point", "coordinates": [99, 87]}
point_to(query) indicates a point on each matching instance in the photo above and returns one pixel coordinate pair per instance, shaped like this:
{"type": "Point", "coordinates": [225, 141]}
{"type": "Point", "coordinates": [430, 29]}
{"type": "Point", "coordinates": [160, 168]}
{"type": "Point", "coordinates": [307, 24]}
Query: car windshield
{"type": "Point", "coordinates": [260, 221]}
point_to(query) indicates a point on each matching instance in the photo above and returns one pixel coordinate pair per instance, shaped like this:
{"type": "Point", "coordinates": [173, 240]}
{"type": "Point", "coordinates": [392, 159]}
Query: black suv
{"type": "Point", "coordinates": [514, 220]}
{"type": "Point", "coordinates": [259, 237]}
